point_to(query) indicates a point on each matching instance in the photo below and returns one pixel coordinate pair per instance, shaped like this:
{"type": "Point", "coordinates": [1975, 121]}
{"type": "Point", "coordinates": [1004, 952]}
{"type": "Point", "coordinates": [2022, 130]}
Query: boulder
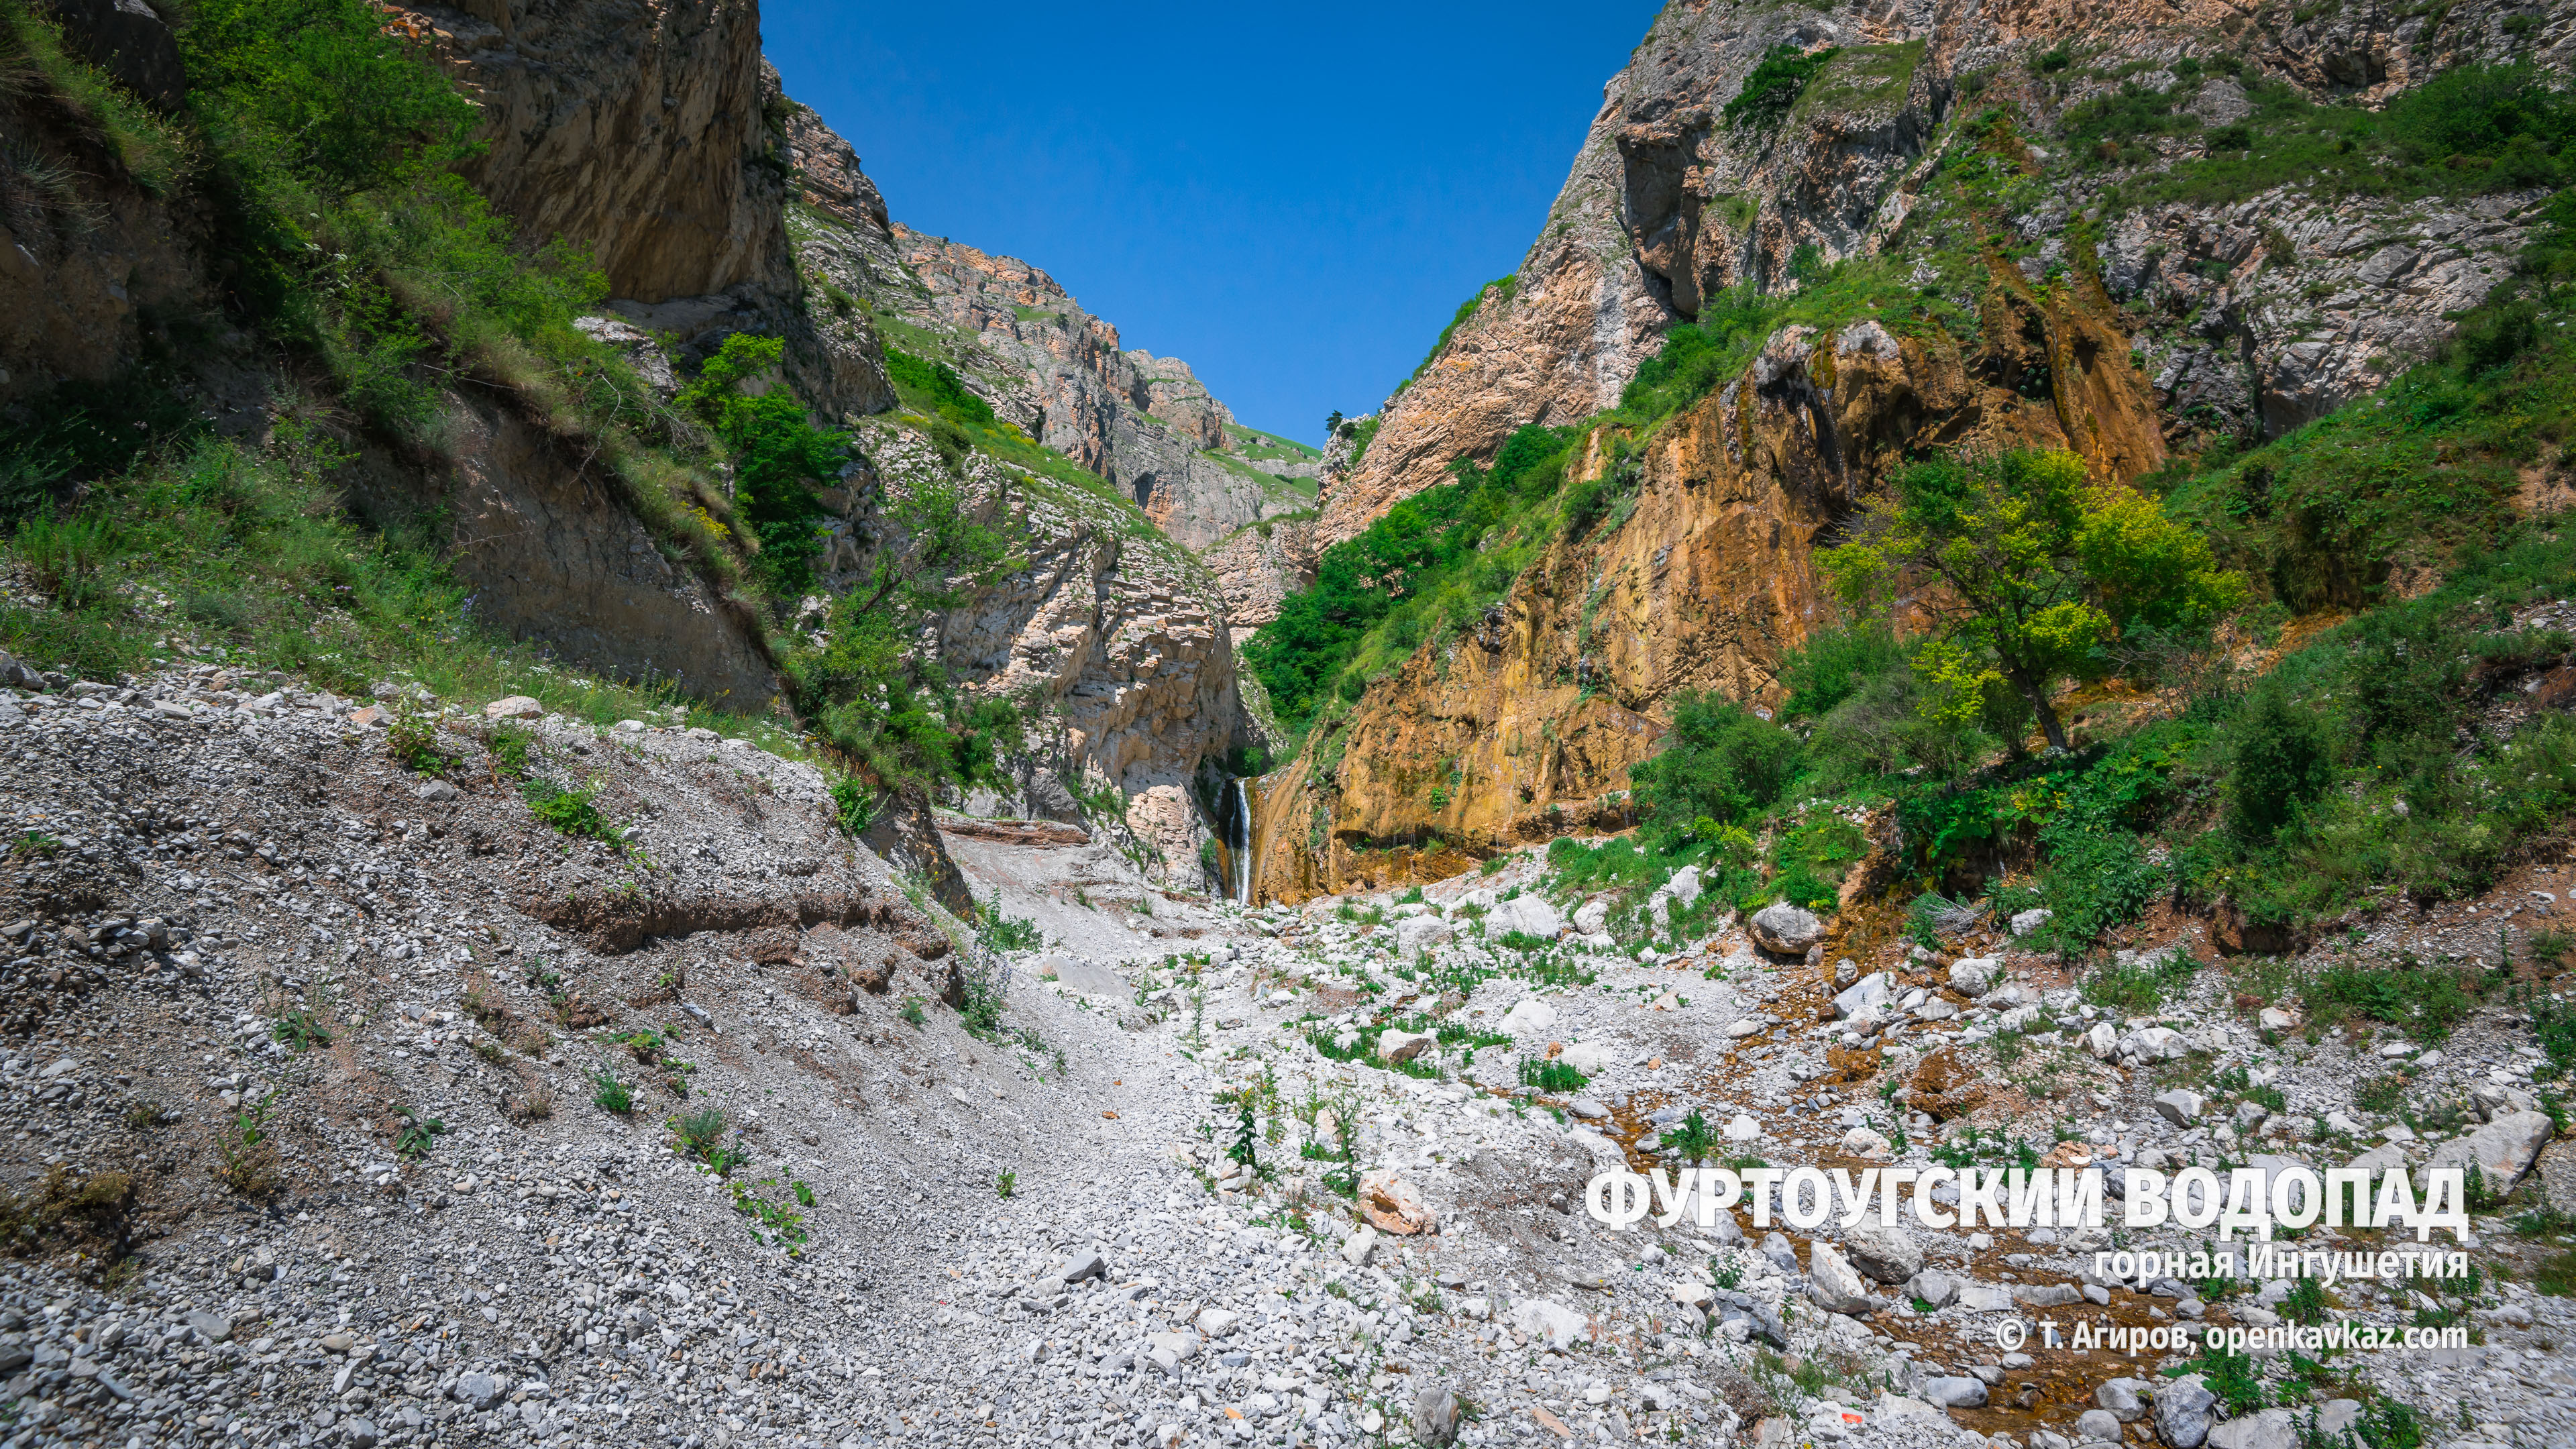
{"type": "Point", "coordinates": [1396, 1047]}
{"type": "Point", "coordinates": [1529, 1017]}
{"type": "Point", "coordinates": [1591, 916]}
{"type": "Point", "coordinates": [2125, 1400]}
{"type": "Point", "coordinates": [1528, 915]}
{"type": "Point", "coordinates": [1435, 1416]}
{"type": "Point", "coordinates": [1541, 1318]}
{"type": "Point", "coordinates": [2156, 1043]}
{"type": "Point", "coordinates": [1972, 975]}
{"type": "Point", "coordinates": [517, 706]}
{"type": "Point", "coordinates": [1216, 1323]}
{"type": "Point", "coordinates": [2181, 1106]}
{"type": "Point", "coordinates": [2025, 922]}
{"type": "Point", "coordinates": [2096, 1424]}
{"type": "Point", "coordinates": [1786, 930]}
{"type": "Point", "coordinates": [1416, 934]}
{"type": "Point", "coordinates": [2558, 1176]}
{"type": "Point", "coordinates": [1742, 1128]}
{"type": "Point", "coordinates": [2270, 1429]}
{"type": "Point", "coordinates": [1359, 1247]}
{"type": "Point", "coordinates": [2183, 1413]}
{"type": "Point", "coordinates": [1933, 1287]}
{"type": "Point", "coordinates": [1955, 1393]}
{"type": "Point", "coordinates": [1871, 994]}
{"type": "Point", "coordinates": [1833, 1283]}
{"type": "Point", "coordinates": [1685, 885]}
{"type": "Point", "coordinates": [1867, 1142]}
{"type": "Point", "coordinates": [1394, 1205]}
{"type": "Point", "coordinates": [1888, 1254]}
{"type": "Point", "coordinates": [2502, 1150]}
{"type": "Point", "coordinates": [128, 40]}
{"type": "Point", "coordinates": [1985, 1298]}
{"type": "Point", "coordinates": [2102, 1041]}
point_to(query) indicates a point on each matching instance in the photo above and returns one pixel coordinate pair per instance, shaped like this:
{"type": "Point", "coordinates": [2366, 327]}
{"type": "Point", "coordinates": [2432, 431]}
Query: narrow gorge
{"type": "Point", "coordinates": [640, 804]}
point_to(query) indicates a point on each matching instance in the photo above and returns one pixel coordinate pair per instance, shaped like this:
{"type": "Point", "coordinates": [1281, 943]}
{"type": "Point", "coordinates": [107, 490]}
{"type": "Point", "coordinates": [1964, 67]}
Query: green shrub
{"type": "Point", "coordinates": [567, 810]}
{"type": "Point", "coordinates": [2282, 760]}
{"type": "Point", "coordinates": [1719, 762]}
{"type": "Point", "coordinates": [936, 387]}
{"type": "Point", "coordinates": [1551, 1075]}
{"type": "Point", "coordinates": [1774, 84]}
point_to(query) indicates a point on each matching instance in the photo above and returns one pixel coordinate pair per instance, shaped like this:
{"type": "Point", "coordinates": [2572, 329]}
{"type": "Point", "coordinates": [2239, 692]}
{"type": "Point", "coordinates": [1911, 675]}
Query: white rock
{"type": "Point", "coordinates": [1540, 1318]}
{"type": "Point", "coordinates": [2025, 922]}
{"type": "Point", "coordinates": [1404, 1046]}
{"type": "Point", "coordinates": [1216, 1323]}
{"type": "Point", "coordinates": [1527, 914]}
{"type": "Point", "coordinates": [1866, 1142]}
{"type": "Point", "coordinates": [1785, 929]}
{"type": "Point", "coordinates": [1972, 975]}
{"type": "Point", "coordinates": [517, 706]}
{"type": "Point", "coordinates": [1591, 916]}
{"type": "Point", "coordinates": [1871, 993]}
{"type": "Point", "coordinates": [1742, 1129]}
{"type": "Point", "coordinates": [2102, 1041]}
{"type": "Point", "coordinates": [1528, 1018]}
{"type": "Point", "coordinates": [1684, 886]}
{"type": "Point", "coordinates": [2502, 1149]}
{"type": "Point", "coordinates": [1416, 934]}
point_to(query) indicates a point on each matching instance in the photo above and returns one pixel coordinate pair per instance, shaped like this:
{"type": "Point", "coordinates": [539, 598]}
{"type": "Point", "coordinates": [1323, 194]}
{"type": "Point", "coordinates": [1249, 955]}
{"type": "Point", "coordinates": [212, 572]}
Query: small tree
{"type": "Point", "coordinates": [2035, 572]}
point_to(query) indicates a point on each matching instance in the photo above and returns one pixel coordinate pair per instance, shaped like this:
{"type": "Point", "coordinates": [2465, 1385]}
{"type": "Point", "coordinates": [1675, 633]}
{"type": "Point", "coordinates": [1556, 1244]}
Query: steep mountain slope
{"type": "Point", "coordinates": [1670, 202]}
{"type": "Point", "coordinates": [1937, 229]}
{"type": "Point", "coordinates": [1143, 424]}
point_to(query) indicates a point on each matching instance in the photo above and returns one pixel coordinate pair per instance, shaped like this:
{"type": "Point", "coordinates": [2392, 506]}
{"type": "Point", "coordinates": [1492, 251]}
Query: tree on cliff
{"type": "Point", "coordinates": [2035, 575]}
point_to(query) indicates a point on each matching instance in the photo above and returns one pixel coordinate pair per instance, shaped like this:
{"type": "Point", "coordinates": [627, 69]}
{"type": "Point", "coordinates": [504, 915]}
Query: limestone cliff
{"type": "Point", "coordinates": [2082, 318]}
{"type": "Point", "coordinates": [1526, 727]}
{"type": "Point", "coordinates": [1667, 203]}
{"type": "Point", "coordinates": [1145, 424]}
{"type": "Point", "coordinates": [1110, 638]}
{"type": "Point", "coordinates": [653, 133]}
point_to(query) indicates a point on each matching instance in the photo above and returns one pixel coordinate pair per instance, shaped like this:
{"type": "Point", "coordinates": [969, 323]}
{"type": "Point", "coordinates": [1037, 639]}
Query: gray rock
{"type": "Point", "coordinates": [2049, 1295]}
{"type": "Point", "coordinates": [214, 1329]}
{"type": "Point", "coordinates": [1082, 1267]}
{"type": "Point", "coordinates": [360, 1433]}
{"type": "Point", "coordinates": [1786, 930]}
{"type": "Point", "coordinates": [2096, 1424]}
{"type": "Point", "coordinates": [1871, 993]}
{"type": "Point", "coordinates": [2025, 922]}
{"type": "Point", "coordinates": [2123, 1399]}
{"type": "Point", "coordinates": [480, 1390]}
{"type": "Point", "coordinates": [1833, 1283]}
{"type": "Point", "coordinates": [1777, 1249]}
{"type": "Point", "coordinates": [2502, 1150]}
{"type": "Point", "coordinates": [2182, 1413]}
{"type": "Point", "coordinates": [2558, 1176]}
{"type": "Point", "coordinates": [1985, 1298]}
{"type": "Point", "coordinates": [1587, 1109]}
{"type": "Point", "coordinates": [1888, 1254]}
{"type": "Point", "coordinates": [1435, 1415]}
{"type": "Point", "coordinates": [1934, 1287]}
{"type": "Point", "coordinates": [128, 40]}
{"type": "Point", "coordinates": [2270, 1429]}
{"type": "Point", "coordinates": [1974, 975]}
{"type": "Point", "coordinates": [437, 792]}
{"type": "Point", "coordinates": [2338, 1415]}
{"type": "Point", "coordinates": [1955, 1393]}
{"type": "Point", "coordinates": [2181, 1106]}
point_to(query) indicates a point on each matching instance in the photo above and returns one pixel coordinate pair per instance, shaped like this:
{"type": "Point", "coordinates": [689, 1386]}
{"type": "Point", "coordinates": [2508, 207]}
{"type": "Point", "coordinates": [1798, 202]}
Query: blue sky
{"type": "Point", "coordinates": [1293, 198]}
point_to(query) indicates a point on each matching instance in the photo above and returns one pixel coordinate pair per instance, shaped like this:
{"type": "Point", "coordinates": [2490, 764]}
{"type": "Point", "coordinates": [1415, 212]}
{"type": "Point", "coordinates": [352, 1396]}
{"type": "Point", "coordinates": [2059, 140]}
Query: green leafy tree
{"type": "Point", "coordinates": [2035, 574]}
{"type": "Point", "coordinates": [778, 453]}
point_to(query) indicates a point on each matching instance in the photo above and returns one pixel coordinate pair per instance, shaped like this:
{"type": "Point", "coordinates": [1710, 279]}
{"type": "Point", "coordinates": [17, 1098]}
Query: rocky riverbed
{"type": "Point", "coordinates": [590, 1085]}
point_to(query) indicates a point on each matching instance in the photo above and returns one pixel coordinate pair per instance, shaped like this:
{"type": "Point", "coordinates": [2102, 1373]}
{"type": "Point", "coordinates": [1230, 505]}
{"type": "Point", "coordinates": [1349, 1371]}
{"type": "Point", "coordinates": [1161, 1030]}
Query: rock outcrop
{"type": "Point", "coordinates": [633, 127]}
{"type": "Point", "coordinates": [1145, 424]}
{"type": "Point", "coordinates": [653, 133]}
{"type": "Point", "coordinates": [1668, 204]}
{"type": "Point", "coordinates": [1525, 727]}
{"type": "Point", "coordinates": [1111, 639]}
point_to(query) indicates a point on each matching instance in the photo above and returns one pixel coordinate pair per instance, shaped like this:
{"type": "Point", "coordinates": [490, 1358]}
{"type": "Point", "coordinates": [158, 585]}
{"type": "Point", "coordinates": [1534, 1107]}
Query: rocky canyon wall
{"type": "Point", "coordinates": [2080, 319]}
{"type": "Point", "coordinates": [1667, 203]}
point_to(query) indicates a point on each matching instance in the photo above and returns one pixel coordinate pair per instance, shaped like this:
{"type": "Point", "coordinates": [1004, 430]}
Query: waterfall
{"type": "Point", "coordinates": [1242, 843]}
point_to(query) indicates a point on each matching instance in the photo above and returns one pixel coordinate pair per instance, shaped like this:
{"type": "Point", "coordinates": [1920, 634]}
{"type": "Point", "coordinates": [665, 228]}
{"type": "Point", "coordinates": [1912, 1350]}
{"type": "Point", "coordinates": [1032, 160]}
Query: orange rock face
{"type": "Point", "coordinates": [1526, 727]}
